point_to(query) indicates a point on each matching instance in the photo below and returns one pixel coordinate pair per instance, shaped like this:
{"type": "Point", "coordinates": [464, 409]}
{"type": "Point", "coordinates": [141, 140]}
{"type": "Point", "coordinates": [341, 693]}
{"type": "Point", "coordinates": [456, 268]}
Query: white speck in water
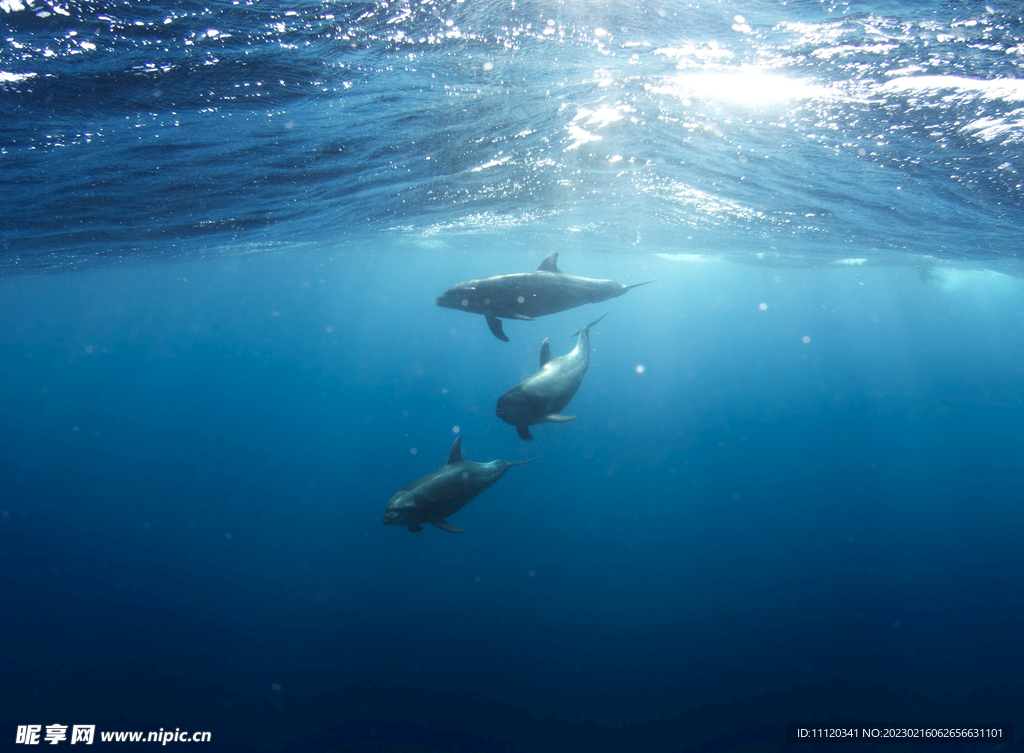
{"type": "Point", "coordinates": [455, 429]}
{"type": "Point", "coordinates": [413, 450]}
{"type": "Point", "coordinates": [807, 339]}
{"type": "Point", "coordinates": [639, 368]}
{"type": "Point", "coordinates": [521, 299]}
{"type": "Point", "coordinates": [763, 307]}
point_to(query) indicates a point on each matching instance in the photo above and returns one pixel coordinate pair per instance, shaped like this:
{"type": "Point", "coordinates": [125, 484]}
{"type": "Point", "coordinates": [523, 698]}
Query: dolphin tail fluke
{"type": "Point", "coordinates": [444, 525]}
{"type": "Point", "coordinates": [587, 328]}
{"type": "Point", "coordinates": [495, 324]}
{"type": "Point", "coordinates": [638, 284]}
{"type": "Point", "coordinates": [556, 418]}
{"type": "Point", "coordinates": [524, 433]}
{"type": "Point", "coordinates": [520, 462]}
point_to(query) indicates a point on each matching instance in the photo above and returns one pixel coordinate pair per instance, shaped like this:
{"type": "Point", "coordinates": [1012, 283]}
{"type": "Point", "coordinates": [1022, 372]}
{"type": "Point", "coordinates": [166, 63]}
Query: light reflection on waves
{"type": "Point", "coordinates": [458, 116]}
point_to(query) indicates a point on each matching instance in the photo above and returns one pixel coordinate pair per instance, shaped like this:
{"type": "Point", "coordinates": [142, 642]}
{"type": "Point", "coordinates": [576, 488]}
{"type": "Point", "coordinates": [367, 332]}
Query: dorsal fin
{"type": "Point", "coordinates": [456, 452]}
{"type": "Point", "coordinates": [545, 353]}
{"type": "Point", "coordinates": [550, 264]}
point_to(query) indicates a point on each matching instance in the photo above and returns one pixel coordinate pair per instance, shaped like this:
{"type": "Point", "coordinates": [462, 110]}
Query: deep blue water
{"type": "Point", "coordinates": [794, 492]}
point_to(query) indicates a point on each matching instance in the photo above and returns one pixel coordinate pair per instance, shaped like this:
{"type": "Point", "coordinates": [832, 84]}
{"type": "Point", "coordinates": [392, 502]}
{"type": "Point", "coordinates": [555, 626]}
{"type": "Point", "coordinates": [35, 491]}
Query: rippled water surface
{"type": "Point", "coordinates": [801, 126]}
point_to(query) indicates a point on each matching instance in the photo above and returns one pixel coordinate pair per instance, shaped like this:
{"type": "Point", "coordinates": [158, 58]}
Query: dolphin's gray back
{"type": "Point", "coordinates": [542, 293]}
{"type": "Point", "coordinates": [551, 388]}
{"type": "Point", "coordinates": [447, 490]}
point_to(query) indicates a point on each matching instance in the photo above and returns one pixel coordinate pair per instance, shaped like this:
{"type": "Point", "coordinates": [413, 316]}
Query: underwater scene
{"type": "Point", "coordinates": [522, 376]}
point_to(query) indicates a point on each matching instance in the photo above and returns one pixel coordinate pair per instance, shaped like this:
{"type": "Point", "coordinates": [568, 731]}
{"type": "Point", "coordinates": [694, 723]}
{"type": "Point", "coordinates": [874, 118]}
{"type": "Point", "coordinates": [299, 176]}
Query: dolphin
{"type": "Point", "coordinates": [526, 295]}
{"type": "Point", "coordinates": [444, 492]}
{"type": "Point", "coordinates": [541, 397]}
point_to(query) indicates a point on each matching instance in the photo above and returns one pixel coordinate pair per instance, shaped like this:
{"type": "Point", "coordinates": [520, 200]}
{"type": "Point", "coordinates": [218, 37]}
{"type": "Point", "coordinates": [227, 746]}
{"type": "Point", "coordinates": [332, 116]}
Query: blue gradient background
{"type": "Point", "coordinates": [755, 528]}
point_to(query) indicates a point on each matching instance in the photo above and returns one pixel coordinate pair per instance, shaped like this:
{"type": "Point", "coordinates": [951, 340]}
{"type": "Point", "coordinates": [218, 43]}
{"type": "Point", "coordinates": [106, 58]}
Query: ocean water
{"type": "Point", "coordinates": [794, 490]}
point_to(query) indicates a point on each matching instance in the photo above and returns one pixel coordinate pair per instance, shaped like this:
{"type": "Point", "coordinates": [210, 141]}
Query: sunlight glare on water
{"type": "Point", "coordinates": [627, 125]}
{"type": "Point", "coordinates": [751, 87]}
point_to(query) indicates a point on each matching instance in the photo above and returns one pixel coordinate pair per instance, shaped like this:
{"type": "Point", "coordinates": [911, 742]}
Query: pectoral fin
{"type": "Point", "coordinates": [495, 324]}
{"type": "Point", "coordinates": [415, 528]}
{"type": "Point", "coordinates": [444, 525]}
{"type": "Point", "coordinates": [524, 432]}
{"type": "Point", "coordinates": [556, 418]}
